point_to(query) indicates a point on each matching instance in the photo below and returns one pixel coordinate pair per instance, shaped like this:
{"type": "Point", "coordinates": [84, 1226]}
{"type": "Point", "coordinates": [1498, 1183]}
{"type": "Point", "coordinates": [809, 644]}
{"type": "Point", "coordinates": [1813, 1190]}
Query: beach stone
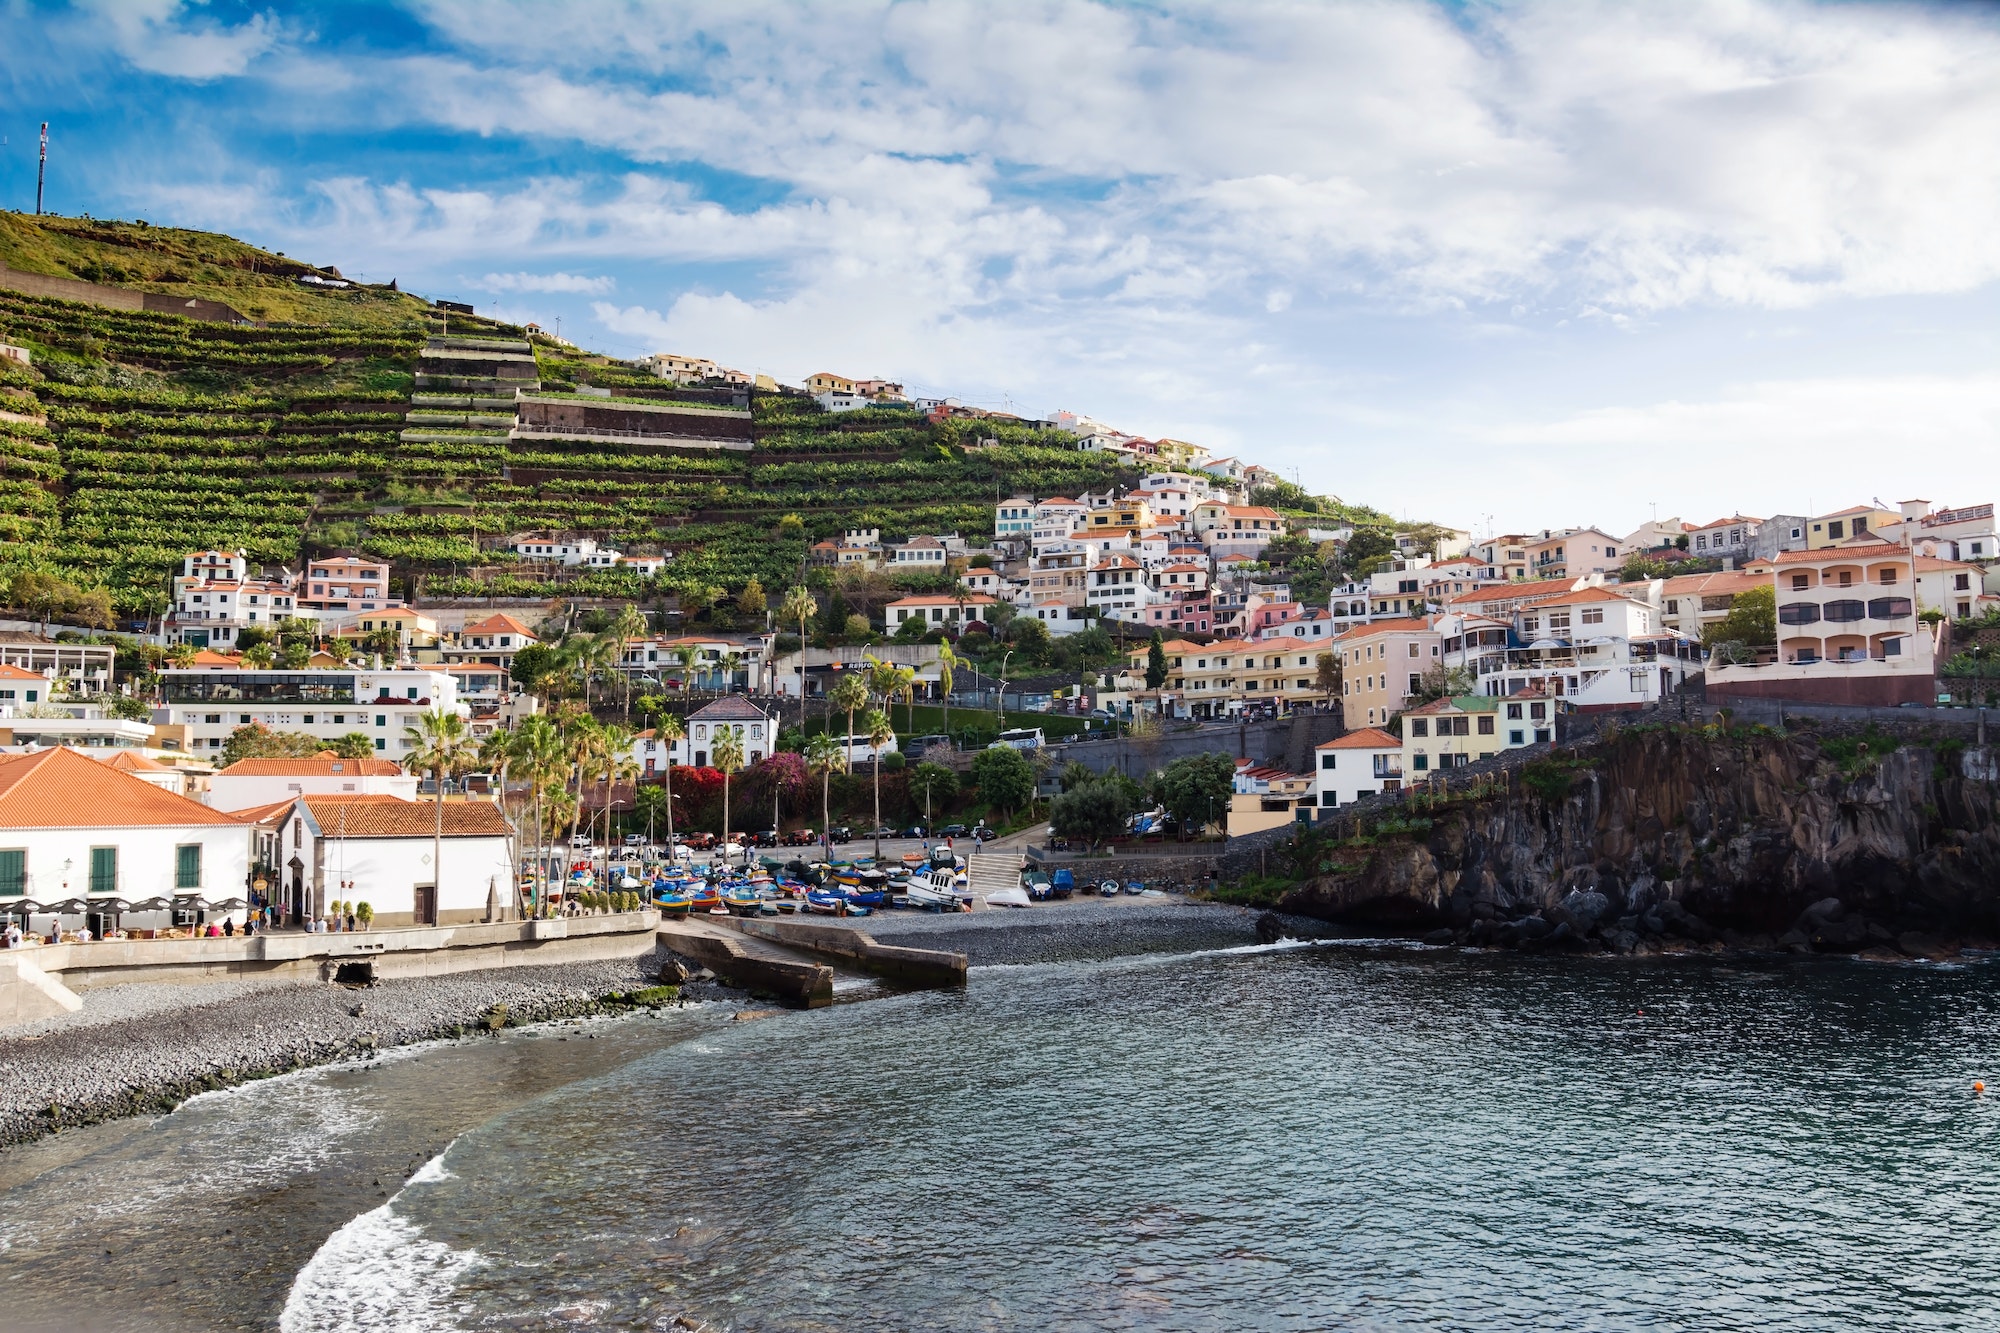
{"type": "Point", "coordinates": [1582, 909]}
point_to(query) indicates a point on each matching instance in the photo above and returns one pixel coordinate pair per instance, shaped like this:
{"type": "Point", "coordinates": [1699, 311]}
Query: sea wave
{"type": "Point", "coordinates": [379, 1272]}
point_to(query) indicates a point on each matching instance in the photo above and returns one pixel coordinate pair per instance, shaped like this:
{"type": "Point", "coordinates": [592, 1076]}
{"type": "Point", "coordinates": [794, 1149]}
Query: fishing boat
{"type": "Point", "coordinates": [671, 903]}
{"type": "Point", "coordinates": [741, 899]}
{"type": "Point", "coordinates": [826, 902]}
{"type": "Point", "coordinates": [1063, 883]}
{"type": "Point", "coordinates": [1108, 889]}
{"type": "Point", "coordinates": [704, 898]}
{"type": "Point", "coordinates": [1014, 897]}
{"type": "Point", "coordinates": [933, 892]}
{"type": "Point", "coordinates": [1035, 884]}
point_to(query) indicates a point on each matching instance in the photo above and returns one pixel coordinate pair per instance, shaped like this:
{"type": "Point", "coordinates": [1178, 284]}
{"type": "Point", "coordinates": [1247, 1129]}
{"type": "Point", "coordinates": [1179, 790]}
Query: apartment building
{"type": "Point", "coordinates": [1691, 602]}
{"type": "Point", "coordinates": [215, 599]}
{"type": "Point", "coordinates": [1846, 524]}
{"type": "Point", "coordinates": [1571, 553]}
{"type": "Point", "coordinates": [1361, 763]}
{"type": "Point", "coordinates": [345, 583]}
{"type": "Point", "coordinates": [1015, 517]}
{"type": "Point", "coordinates": [1382, 666]}
{"type": "Point", "coordinates": [1117, 588]}
{"type": "Point", "coordinates": [211, 702]}
{"type": "Point", "coordinates": [1732, 538]}
{"type": "Point", "coordinates": [936, 609]}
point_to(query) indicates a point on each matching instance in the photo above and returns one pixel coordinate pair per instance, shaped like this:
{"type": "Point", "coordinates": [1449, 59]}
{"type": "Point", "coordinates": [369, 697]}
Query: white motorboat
{"type": "Point", "coordinates": [933, 891]}
{"type": "Point", "coordinates": [1015, 897]}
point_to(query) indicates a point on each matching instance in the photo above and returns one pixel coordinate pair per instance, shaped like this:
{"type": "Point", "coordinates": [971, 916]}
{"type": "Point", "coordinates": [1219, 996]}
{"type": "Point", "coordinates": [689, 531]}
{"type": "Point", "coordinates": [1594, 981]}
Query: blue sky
{"type": "Point", "coordinates": [1495, 265]}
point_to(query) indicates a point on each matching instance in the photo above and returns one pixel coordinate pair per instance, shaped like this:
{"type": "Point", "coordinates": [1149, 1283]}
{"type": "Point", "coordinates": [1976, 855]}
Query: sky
{"type": "Point", "coordinates": [1502, 266]}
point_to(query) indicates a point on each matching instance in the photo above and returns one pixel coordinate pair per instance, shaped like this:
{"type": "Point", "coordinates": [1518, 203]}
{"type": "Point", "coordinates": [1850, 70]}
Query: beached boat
{"type": "Point", "coordinates": [933, 892]}
{"type": "Point", "coordinates": [826, 902]}
{"type": "Point", "coordinates": [1063, 883]}
{"type": "Point", "coordinates": [741, 900]}
{"type": "Point", "coordinates": [1015, 897]}
{"type": "Point", "coordinates": [1035, 884]}
{"type": "Point", "coordinates": [704, 898]}
{"type": "Point", "coordinates": [1108, 889]}
{"type": "Point", "coordinates": [672, 904]}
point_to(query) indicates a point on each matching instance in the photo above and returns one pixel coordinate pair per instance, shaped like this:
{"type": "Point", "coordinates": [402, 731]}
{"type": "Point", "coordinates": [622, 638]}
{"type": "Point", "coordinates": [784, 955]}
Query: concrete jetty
{"type": "Point", "coordinates": [757, 966]}
{"type": "Point", "coordinates": [848, 944]}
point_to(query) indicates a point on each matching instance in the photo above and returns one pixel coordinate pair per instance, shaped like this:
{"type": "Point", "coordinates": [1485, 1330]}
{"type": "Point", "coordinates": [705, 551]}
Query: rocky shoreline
{"type": "Point", "coordinates": [145, 1049]}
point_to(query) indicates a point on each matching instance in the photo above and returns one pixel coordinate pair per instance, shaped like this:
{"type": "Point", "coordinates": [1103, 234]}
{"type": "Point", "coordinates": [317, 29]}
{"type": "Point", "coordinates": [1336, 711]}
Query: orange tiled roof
{"type": "Point", "coordinates": [313, 767]}
{"type": "Point", "coordinates": [62, 788]}
{"type": "Point", "coordinates": [131, 761]}
{"type": "Point", "coordinates": [1591, 594]}
{"type": "Point", "coordinates": [1368, 738]}
{"type": "Point", "coordinates": [388, 817]}
{"type": "Point", "coordinates": [499, 624]}
{"type": "Point", "coordinates": [21, 673]}
{"type": "Point", "coordinates": [1406, 625]}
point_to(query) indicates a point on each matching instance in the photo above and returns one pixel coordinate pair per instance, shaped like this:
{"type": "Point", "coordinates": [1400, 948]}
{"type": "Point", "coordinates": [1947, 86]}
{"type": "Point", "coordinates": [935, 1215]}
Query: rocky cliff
{"type": "Point", "coordinates": [1659, 834]}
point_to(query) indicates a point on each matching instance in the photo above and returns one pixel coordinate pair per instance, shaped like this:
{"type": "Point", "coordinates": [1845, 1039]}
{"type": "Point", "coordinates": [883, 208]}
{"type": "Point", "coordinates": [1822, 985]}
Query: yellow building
{"type": "Point", "coordinates": [1847, 524]}
{"type": "Point", "coordinates": [1382, 665]}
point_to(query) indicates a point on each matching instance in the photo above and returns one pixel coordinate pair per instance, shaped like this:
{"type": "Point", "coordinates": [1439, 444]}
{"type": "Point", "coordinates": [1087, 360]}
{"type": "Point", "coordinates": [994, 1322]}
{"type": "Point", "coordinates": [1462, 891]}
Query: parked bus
{"type": "Point", "coordinates": [862, 750]}
{"type": "Point", "coordinates": [1021, 738]}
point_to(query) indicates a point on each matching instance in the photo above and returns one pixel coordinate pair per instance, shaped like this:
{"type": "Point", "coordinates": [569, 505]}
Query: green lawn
{"type": "Point", "coordinates": [929, 721]}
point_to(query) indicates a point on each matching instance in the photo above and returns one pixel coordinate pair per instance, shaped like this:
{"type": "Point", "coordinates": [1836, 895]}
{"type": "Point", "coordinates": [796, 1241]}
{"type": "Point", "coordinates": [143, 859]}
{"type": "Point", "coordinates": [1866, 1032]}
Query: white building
{"type": "Point", "coordinates": [328, 703]}
{"type": "Point", "coordinates": [378, 850]}
{"type": "Point", "coordinates": [937, 609]}
{"type": "Point", "coordinates": [1015, 517]}
{"type": "Point", "coordinates": [568, 552]}
{"type": "Point", "coordinates": [249, 783]}
{"type": "Point", "coordinates": [215, 600]}
{"type": "Point", "coordinates": [1359, 764]}
{"type": "Point", "coordinates": [1588, 646]}
{"type": "Point", "coordinates": [74, 829]}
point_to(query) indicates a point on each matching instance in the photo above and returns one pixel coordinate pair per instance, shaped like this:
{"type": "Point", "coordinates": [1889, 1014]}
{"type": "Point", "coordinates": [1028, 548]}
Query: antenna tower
{"type": "Point", "coordinates": [41, 168]}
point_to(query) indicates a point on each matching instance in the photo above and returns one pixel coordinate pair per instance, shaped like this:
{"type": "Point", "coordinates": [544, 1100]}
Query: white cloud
{"type": "Point", "coordinates": [546, 282]}
{"type": "Point", "coordinates": [161, 36]}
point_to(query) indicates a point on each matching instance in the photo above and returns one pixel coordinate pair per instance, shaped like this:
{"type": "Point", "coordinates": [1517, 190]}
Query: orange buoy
{"type": "Point", "coordinates": [1642, 1013]}
{"type": "Point", "coordinates": [1978, 1087]}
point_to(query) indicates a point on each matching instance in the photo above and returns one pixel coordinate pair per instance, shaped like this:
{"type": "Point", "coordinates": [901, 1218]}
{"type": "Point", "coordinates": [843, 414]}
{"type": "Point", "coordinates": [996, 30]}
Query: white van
{"type": "Point", "coordinates": [862, 750]}
{"type": "Point", "coordinates": [1021, 738]}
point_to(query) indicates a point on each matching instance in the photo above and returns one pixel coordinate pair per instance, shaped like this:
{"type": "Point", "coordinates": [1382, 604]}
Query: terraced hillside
{"type": "Point", "coordinates": [138, 436]}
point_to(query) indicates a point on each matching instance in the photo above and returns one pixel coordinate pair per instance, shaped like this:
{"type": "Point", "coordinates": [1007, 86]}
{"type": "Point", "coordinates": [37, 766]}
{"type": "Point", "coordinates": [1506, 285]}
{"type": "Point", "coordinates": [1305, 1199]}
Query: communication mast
{"type": "Point", "coordinates": [41, 168]}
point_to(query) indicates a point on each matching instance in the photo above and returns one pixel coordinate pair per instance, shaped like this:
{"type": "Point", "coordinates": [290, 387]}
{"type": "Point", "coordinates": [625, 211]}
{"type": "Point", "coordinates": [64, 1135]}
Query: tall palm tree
{"type": "Point", "coordinates": [726, 754]}
{"type": "Point", "coordinates": [183, 654]}
{"type": "Point", "coordinates": [882, 679]}
{"type": "Point", "coordinates": [671, 730]}
{"type": "Point", "coordinates": [687, 655]}
{"type": "Point", "coordinates": [823, 755]}
{"type": "Point", "coordinates": [801, 607]}
{"type": "Point", "coordinates": [947, 659]}
{"type": "Point", "coordinates": [612, 755]}
{"type": "Point", "coordinates": [906, 686]}
{"type": "Point", "coordinates": [538, 756]}
{"type": "Point", "coordinates": [579, 752]}
{"type": "Point", "coordinates": [732, 662]}
{"type": "Point", "coordinates": [444, 745]}
{"type": "Point", "coordinates": [880, 733]}
{"type": "Point", "coordinates": [630, 625]}
{"type": "Point", "coordinates": [849, 695]}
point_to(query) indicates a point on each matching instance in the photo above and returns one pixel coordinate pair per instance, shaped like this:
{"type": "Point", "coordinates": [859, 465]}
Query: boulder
{"type": "Point", "coordinates": [1581, 910]}
{"type": "Point", "coordinates": [1442, 935]}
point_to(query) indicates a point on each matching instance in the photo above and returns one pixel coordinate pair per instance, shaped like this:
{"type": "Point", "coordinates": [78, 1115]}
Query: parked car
{"type": "Point", "coordinates": [880, 831]}
{"type": "Point", "coordinates": [765, 838]}
{"type": "Point", "coordinates": [635, 840]}
{"type": "Point", "coordinates": [840, 833]}
{"type": "Point", "coordinates": [801, 837]}
{"type": "Point", "coordinates": [984, 834]}
{"type": "Point", "coordinates": [952, 831]}
{"type": "Point", "coordinates": [701, 842]}
{"type": "Point", "coordinates": [581, 842]}
{"type": "Point", "coordinates": [916, 831]}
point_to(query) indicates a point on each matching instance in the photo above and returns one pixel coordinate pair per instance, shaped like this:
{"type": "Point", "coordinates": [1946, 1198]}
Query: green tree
{"type": "Point", "coordinates": [670, 731]}
{"type": "Point", "coordinates": [130, 709]}
{"type": "Point", "coordinates": [1156, 663]}
{"type": "Point", "coordinates": [354, 745]}
{"type": "Point", "coordinates": [1327, 674]}
{"type": "Point", "coordinates": [533, 665]}
{"type": "Point", "coordinates": [1752, 623]}
{"type": "Point", "coordinates": [849, 695]}
{"type": "Point", "coordinates": [1197, 788]}
{"type": "Point", "coordinates": [253, 740]}
{"type": "Point", "coordinates": [259, 657]}
{"type": "Point", "coordinates": [1005, 777]}
{"type": "Point", "coordinates": [726, 754]}
{"type": "Point", "coordinates": [880, 733]}
{"type": "Point", "coordinates": [931, 783]}
{"type": "Point", "coordinates": [1093, 811]}
{"type": "Point", "coordinates": [823, 756]}
{"type": "Point", "coordinates": [751, 601]}
{"type": "Point", "coordinates": [1368, 549]}
{"type": "Point", "coordinates": [444, 745]}
{"type": "Point", "coordinates": [1442, 682]}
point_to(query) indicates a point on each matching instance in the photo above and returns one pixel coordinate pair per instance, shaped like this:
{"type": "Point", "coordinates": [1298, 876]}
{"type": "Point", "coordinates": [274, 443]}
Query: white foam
{"type": "Point", "coordinates": [379, 1272]}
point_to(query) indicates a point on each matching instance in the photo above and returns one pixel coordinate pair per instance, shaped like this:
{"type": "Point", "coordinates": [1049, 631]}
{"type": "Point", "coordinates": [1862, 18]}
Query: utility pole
{"type": "Point", "coordinates": [41, 168]}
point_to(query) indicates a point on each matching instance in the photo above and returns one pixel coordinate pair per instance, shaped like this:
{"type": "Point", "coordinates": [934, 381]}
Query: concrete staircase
{"type": "Point", "coordinates": [993, 869]}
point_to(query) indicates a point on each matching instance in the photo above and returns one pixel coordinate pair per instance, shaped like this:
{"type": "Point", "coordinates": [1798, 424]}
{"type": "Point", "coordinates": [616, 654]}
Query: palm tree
{"type": "Point", "coordinates": [613, 755]}
{"type": "Point", "coordinates": [801, 607]}
{"type": "Point", "coordinates": [672, 731]}
{"type": "Point", "coordinates": [906, 686]}
{"type": "Point", "coordinates": [732, 662]}
{"type": "Point", "coordinates": [630, 625]}
{"type": "Point", "coordinates": [182, 655]}
{"type": "Point", "coordinates": [947, 659]}
{"type": "Point", "coordinates": [880, 733]}
{"type": "Point", "coordinates": [259, 657]}
{"type": "Point", "coordinates": [687, 654]}
{"type": "Point", "coordinates": [823, 756]}
{"type": "Point", "coordinates": [726, 754]}
{"type": "Point", "coordinates": [579, 750]}
{"type": "Point", "coordinates": [649, 801]}
{"type": "Point", "coordinates": [538, 756]}
{"type": "Point", "coordinates": [849, 695]}
{"type": "Point", "coordinates": [444, 745]}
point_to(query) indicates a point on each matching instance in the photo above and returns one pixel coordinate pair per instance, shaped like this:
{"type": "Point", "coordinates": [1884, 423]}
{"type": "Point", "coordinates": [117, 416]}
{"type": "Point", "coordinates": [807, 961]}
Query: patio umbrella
{"type": "Point", "coordinates": [230, 905]}
{"type": "Point", "coordinates": [110, 907]}
{"type": "Point", "coordinates": [70, 907]}
{"type": "Point", "coordinates": [26, 908]}
{"type": "Point", "coordinates": [151, 905]}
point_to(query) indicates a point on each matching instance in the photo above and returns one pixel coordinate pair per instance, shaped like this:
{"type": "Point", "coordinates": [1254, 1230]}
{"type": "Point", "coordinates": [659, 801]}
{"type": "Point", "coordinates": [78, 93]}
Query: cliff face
{"type": "Point", "coordinates": [1757, 839]}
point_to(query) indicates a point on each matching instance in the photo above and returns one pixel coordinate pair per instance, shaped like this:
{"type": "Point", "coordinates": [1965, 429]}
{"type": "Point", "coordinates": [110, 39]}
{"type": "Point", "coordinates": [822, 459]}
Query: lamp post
{"type": "Point", "coordinates": [1000, 695]}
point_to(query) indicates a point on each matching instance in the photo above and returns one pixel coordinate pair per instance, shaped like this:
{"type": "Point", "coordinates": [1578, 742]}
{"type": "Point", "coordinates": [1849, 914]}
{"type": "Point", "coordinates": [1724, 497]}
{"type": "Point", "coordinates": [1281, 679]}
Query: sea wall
{"type": "Point", "coordinates": [1817, 838]}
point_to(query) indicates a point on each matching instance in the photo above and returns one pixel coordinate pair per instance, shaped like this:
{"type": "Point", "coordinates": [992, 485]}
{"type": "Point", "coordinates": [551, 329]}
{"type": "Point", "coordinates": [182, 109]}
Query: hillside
{"type": "Point", "coordinates": [137, 436]}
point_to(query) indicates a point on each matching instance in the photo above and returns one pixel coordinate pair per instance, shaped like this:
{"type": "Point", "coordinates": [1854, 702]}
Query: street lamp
{"type": "Point", "coordinates": [1000, 695]}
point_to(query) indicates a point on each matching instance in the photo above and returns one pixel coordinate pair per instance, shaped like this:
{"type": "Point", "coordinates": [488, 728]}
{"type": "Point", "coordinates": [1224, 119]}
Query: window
{"type": "Point", "coordinates": [1514, 737]}
{"type": "Point", "coordinates": [187, 866]}
{"type": "Point", "coordinates": [1541, 735]}
{"type": "Point", "coordinates": [1594, 617]}
{"type": "Point", "coordinates": [1959, 584]}
{"type": "Point", "coordinates": [1800, 582]}
{"type": "Point", "coordinates": [1486, 725]}
{"type": "Point", "coordinates": [1836, 530]}
{"type": "Point", "coordinates": [1538, 711]}
{"type": "Point", "coordinates": [1415, 651]}
{"type": "Point", "coordinates": [1325, 761]}
{"type": "Point", "coordinates": [104, 870]}
{"type": "Point", "coordinates": [1514, 712]}
{"type": "Point", "coordinates": [13, 872]}
{"type": "Point", "coordinates": [1420, 726]}
{"type": "Point", "coordinates": [1416, 683]}
{"type": "Point", "coordinates": [1422, 763]}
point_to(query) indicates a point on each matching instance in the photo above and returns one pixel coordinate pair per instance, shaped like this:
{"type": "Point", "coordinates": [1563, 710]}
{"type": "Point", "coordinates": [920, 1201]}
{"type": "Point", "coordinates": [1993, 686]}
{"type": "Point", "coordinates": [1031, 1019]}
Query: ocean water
{"type": "Point", "coordinates": [1333, 1136]}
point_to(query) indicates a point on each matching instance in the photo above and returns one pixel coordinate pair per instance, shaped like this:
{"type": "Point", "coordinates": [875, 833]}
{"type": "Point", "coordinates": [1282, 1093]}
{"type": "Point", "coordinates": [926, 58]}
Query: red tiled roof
{"type": "Point", "coordinates": [317, 766]}
{"type": "Point", "coordinates": [21, 673]}
{"type": "Point", "coordinates": [388, 817]}
{"type": "Point", "coordinates": [499, 624]}
{"type": "Point", "coordinates": [1368, 738]}
{"type": "Point", "coordinates": [131, 761]}
{"type": "Point", "coordinates": [1406, 625]}
{"type": "Point", "coordinates": [62, 788]}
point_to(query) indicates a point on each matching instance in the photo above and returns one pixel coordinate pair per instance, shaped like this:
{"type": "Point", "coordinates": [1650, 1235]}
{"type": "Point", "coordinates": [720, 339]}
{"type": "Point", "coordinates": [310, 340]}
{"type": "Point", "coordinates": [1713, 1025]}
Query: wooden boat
{"type": "Point", "coordinates": [741, 900]}
{"type": "Point", "coordinates": [933, 892]}
{"type": "Point", "coordinates": [672, 904]}
{"type": "Point", "coordinates": [704, 898]}
{"type": "Point", "coordinates": [826, 902]}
